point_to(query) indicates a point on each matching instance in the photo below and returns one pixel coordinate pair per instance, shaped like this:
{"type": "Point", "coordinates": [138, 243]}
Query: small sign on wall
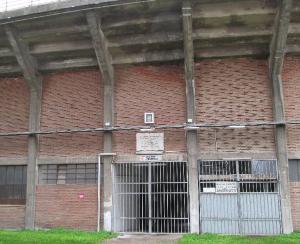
{"type": "Point", "coordinates": [151, 158]}
{"type": "Point", "coordinates": [81, 196]}
{"type": "Point", "coordinates": [149, 143]}
{"type": "Point", "coordinates": [209, 190]}
{"type": "Point", "coordinates": [226, 187]}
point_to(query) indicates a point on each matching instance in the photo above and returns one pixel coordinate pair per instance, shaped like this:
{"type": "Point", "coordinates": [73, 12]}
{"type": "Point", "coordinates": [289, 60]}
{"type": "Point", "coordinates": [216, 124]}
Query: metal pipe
{"type": "Point", "coordinates": [98, 193]}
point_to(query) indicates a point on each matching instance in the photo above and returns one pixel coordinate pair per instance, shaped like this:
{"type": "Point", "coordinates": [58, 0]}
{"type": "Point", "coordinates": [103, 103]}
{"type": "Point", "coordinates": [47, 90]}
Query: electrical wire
{"type": "Point", "coordinates": [158, 127]}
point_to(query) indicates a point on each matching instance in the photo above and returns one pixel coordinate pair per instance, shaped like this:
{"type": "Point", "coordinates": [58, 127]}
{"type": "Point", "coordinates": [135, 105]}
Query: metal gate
{"type": "Point", "coordinates": [239, 197]}
{"type": "Point", "coordinates": [151, 197]}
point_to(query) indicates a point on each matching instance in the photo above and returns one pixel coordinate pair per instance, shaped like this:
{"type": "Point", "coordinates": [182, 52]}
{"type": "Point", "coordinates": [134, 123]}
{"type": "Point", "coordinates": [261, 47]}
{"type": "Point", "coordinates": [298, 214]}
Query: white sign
{"type": "Point", "coordinates": [209, 190]}
{"type": "Point", "coordinates": [149, 143]}
{"type": "Point", "coordinates": [226, 187]}
{"type": "Point", "coordinates": [152, 158]}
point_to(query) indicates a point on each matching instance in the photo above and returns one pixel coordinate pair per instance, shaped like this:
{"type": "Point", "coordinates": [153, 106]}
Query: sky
{"type": "Point", "coordinates": [6, 5]}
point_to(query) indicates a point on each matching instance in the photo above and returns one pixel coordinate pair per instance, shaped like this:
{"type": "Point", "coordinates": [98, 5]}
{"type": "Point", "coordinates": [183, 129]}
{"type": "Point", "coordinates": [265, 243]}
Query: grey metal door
{"type": "Point", "coordinates": [151, 197]}
{"type": "Point", "coordinates": [239, 197]}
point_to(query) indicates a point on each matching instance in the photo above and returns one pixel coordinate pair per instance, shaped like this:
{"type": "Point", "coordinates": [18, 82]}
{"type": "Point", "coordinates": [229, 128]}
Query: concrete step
{"type": "Point", "coordinates": [145, 239]}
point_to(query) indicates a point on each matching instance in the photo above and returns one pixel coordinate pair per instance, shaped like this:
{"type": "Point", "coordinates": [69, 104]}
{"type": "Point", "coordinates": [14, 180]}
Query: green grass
{"type": "Point", "coordinates": [226, 239]}
{"type": "Point", "coordinates": [55, 236]}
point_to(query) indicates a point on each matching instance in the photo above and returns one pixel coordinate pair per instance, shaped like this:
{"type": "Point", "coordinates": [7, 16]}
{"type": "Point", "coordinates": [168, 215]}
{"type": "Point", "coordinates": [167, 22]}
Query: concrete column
{"type": "Point", "coordinates": [193, 181]}
{"type": "Point", "coordinates": [281, 142]}
{"type": "Point", "coordinates": [107, 160]}
{"type": "Point", "coordinates": [33, 149]}
{"type": "Point", "coordinates": [105, 65]}
{"type": "Point", "coordinates": [34, 82]}
{"type": "Point", "coordinates": [282, 155]}
{"type": "Point", "coordinates": [108, 183]}
{"type": "Point", "coordinates": [191, 135]}
{"type": "Point", "coordinates": [276, 61]}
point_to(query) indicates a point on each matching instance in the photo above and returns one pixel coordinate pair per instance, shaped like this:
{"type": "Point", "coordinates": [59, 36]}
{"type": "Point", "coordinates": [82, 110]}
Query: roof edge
{"type": "Point", "coordinates": [58, 7]}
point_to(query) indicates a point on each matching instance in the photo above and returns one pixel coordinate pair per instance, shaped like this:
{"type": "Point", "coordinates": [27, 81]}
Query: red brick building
{"type": "Point", "coordinates": [75, 91]}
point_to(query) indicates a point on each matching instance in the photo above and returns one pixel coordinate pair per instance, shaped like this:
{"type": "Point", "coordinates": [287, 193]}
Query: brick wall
{"type": "Point", "coordinates": [14, 114]}
{"type": "Point", "coordinates": [228, 90]}
{"type": "Point", "coordinates": [295, 200]}
{"type": "Point", "coordinates": [12, 217]}
{"type": "Point", "coordinates": [60, 206]}
{"type": "Point", "coordinates": [291, 89]}
{"type": "Point", "coordinates": [234, 90]}
{"type": "Point", "coordinates": [72, 99]}
{"type": "Point", "coordinates": [159, 89]}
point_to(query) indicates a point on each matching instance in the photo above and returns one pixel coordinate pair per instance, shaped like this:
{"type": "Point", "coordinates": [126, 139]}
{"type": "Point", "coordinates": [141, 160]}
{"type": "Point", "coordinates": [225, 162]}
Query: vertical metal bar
{"type": "Point", "coordinates": [178, 196]}
{"type": "Point", "coordinates": [143, 196]}
{"type": "Point", "coordinates": [184, 178]}
{"type": "Point", "coordinates": [127, 199]}
{"type": "Point", "coordinates": [168, 192]}
{"type": "Point", "coordinates": [173, 198]}
{"type": "Point", "coordinates": [123, 195]}
{"type": "Point", "coordinates": [130, 196]}
{"type": "Point", "coordinates": [154, 175]}
{"type": "Point", "coordinates": [279, 196]}
{"type": "Point", "coordinates": [138, 197]}
{"type": "Point", "coordinates": [187, 212]}
{"type": "Point", "coordinates": [165, 197]}
{"type": "Point", "coordinates": [187, 193]}
{"type": "Point", "coordinates": [160, 197]}
{"type": "Point", "coordinates": [239, 195]}
{"type": "Point", "coordinates": [98, 192]}
{"type": "Point", "coordinates": [149, 197]}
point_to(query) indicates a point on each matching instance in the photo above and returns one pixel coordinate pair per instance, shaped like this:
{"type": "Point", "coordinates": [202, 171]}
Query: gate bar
{"type": "Point", "coordinates": [149, 197]}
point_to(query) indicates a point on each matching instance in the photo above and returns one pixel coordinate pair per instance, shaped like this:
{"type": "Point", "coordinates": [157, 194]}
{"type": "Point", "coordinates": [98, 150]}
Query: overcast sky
{"type": "Point", "coordinates": [15, 4]}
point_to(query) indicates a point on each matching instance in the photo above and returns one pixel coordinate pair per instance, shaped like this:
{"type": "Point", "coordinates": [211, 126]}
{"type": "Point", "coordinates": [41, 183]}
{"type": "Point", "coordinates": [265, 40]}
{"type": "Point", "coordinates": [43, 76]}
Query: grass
{"type": "Point", "coordinates": [54, 236]}
{"type": "Point", "coordinates": [227, 239]}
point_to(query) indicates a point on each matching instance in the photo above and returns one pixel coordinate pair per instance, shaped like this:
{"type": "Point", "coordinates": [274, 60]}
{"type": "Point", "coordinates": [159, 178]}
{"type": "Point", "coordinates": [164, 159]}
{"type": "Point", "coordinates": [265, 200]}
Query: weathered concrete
{"type": "Point", "coordinates": [191, 135]}
{"type": "Point", "coordinates": [193, 181]}
{"type": "Point", "coordinates": [33, 149]}
{"type": "Point", "coordinates": [108, 184]}
{"type": "Point", "coordinates": [277, 53]}
{"type": "Point", "coordinates": [34, 81]}
{"type": "Point", "coordinates": [105, 65]}
{"type": "Point", "coordinates": [147, 239]}
{"type": "Point", "coordinates": [143, 31]}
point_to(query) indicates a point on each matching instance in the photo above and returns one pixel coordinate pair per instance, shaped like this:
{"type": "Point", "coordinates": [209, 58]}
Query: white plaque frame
{"type": "Point", "coordinates": [150, 143]}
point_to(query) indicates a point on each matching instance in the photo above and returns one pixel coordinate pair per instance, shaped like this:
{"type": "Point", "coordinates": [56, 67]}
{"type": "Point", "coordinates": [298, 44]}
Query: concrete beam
{"type": "Point", "coordinates": [191, 115]}
{"type": "Point", "coordinates": [105, 64]}
{"type": "Point", "coordinates": [68, 64]}
{"type": "Point", "coordinates": [22, 54]}
{"type": "Point", "coordinates": [9, 70]}
{"type": "Point", "coordinates": [34, 81]}
{"type": "Point", "coordinates": [65, 46]}
{"type": "Point", "coordinates": [158, 56]}
{"type": "Point", "coordinates": [277, 54]}
{"type": "Point", "coordinates": [37, 34]}
{"type": "Point", "coordinates": [229, 51]}
{"type": "Point", "coordinates": [100, 45]}
{"type": "Point", "coordinates": [146, 39]}
{"type": "Point", "coordinates": [131, 25]}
